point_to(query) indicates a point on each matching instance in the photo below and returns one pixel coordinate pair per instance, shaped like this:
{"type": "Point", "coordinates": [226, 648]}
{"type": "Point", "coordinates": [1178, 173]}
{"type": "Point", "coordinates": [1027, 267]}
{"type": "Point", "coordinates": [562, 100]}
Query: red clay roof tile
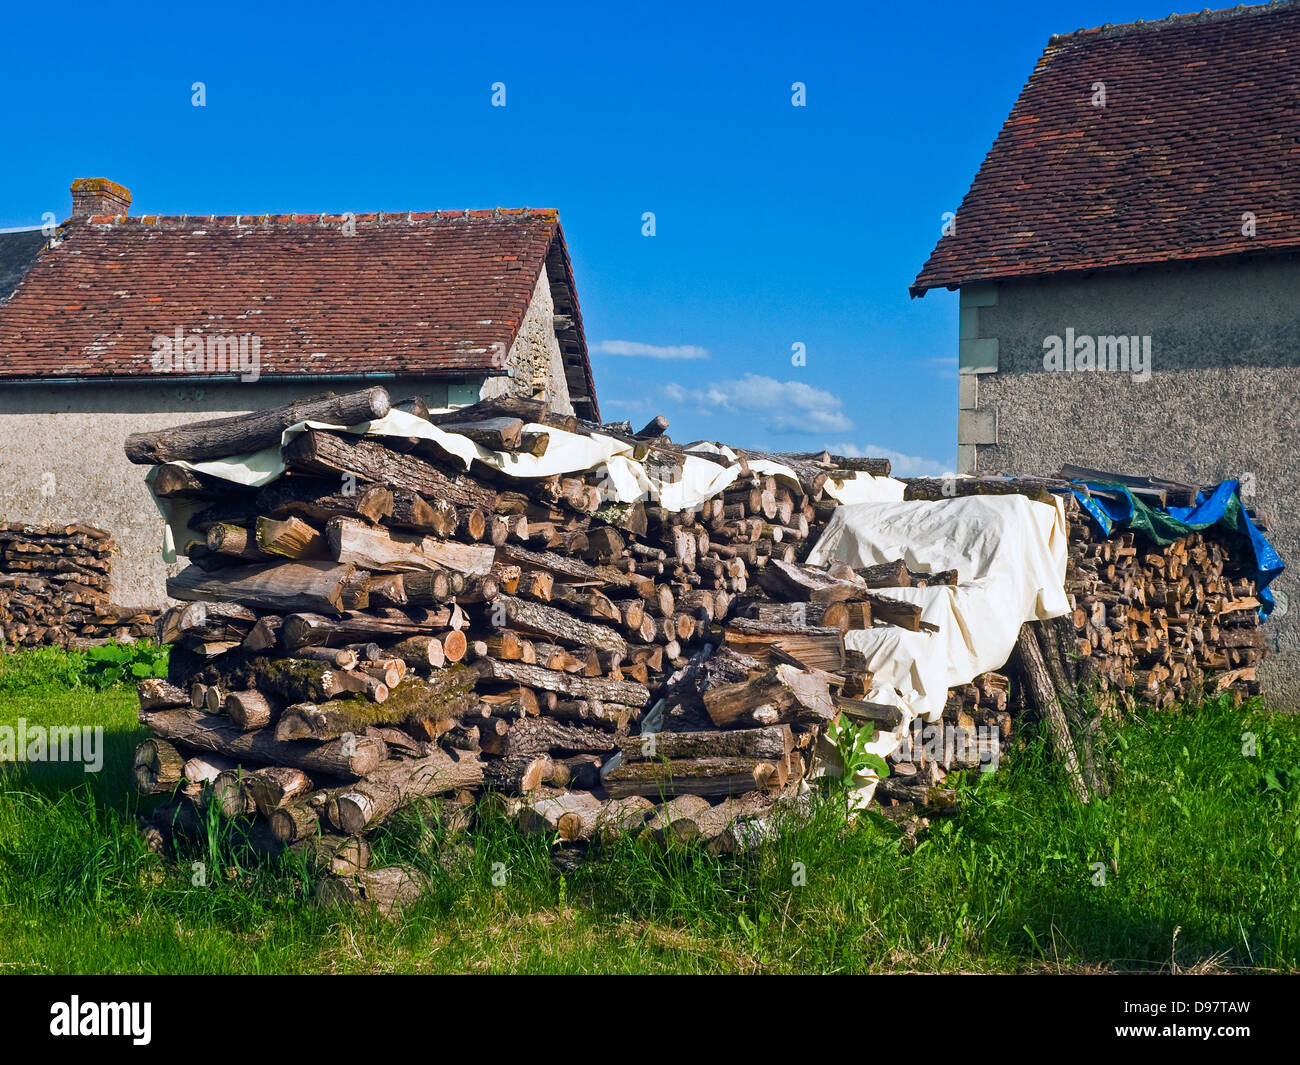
{"type": "Point", "coordinates": [432, 296]}
{"type": "Point", "coordinates": [1200, 126]}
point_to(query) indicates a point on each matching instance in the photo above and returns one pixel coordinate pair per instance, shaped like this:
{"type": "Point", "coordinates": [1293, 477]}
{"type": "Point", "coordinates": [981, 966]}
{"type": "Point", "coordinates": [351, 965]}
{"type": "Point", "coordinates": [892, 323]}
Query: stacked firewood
{"type": "Point", "coordinates": [1149, 624]}
{"type": "Point", "coordinates": [54, 588]}
{"type": "Point", "coordinates": [1163, 624]}
{"type": "Point", "coordinates": [380, 626]}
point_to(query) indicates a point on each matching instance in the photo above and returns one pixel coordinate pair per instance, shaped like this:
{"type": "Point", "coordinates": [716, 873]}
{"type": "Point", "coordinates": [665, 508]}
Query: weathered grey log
{"type": "Point", "coordinates": [400, 781]}
{"type": "Point", "coordinates": [204, 768]}
{"type": "Point", "coordinates": [375, 548]}
{"type": "Point", "coordinates": [387, 891]}
{"type": "Point", "coordinates": [338, 657]}
{"type": "Point", "coordinates": [571, 815]}
{"type": "Point", "coordinates": [611, 716]}
{"type": "Point", "coordinates": [422, 651]}
{"type": "Point", "coordinates": [337, 855]}
{"type": "Point", "coordinates": [298, 821]}
{"type": "Point", "coordinates": [559, 626]}
{"type": "Point", "coordinates": [156, 694]}
{"type": "Point", "coordinates": [427, 587]}
{"type": "Point", "coordinates": [683, 806]}
{"type": "Point", "coordinates": [244, 433]}
{"type": "Point", "coordinates": [783, 693]}
{"type": "Point", "coordinates": [228, 794]}
{"type": "Point", "coordinates": [283, 586]}
{"type": "Point", "coordinates": [895, 612]}
{"type": "Point", "coordinates": [526, 758]}
{"type": "Point", "coordinates": [791, 581]}
{"type": "Point", "coordinates": [1039, 489]}
{"type": "Point", "coordinates": [773, 743]}
{"type": "Point", "coordinates": [277, 786]}
{"type": "Point", "coordinates": [412, 511]}
{"type": "Point", "coordinates": [603, 689]}
{"type": "Point", "coordinates": [623, 816]}
{"type": "Point", "coordinates": [889, 717]}
{"type": "Point", "coordinates": [571, 569]}
{"type": "Point", "coordinates": [318, 499]}
{"type": "Point", "coordinates": [159, 767]}
{"type": "Point", "coordinates": [750, 831]}
{"type": "Point", "coordinates": [707, 825]}
{"type": "Point", "coordinates": [656, 426]}
{"type": "Point", "coordinates": [306, 629]}
{"type": "Point", "coordinates": [501, 433]}
{"type": "Point", "coordinates": [233, 541]}
{"type": "Point", "coordinates": [204, 620]}
{"type": "Point", "coordinates": [319, 452]}
{"type": "Point", "coordinates": [695, 776]}
{"type": "Point", "coordinates": [1038, 680]}
{"type": "Point", "coordinates": [820, 615]}
{"type": "Point", "coordinates": [348, 757]}
{"type": "Point", "coordinates": [885, 575]}
{"type": "Point", "coordinates": [518, 772]}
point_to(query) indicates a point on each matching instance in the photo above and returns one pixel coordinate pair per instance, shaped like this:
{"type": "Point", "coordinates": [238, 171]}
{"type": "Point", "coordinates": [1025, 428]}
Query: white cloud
{"type": "Point", "coordinates": [900, 465]}
{"type": "Point", "coordinates": [626, 404]}
{"type": "Point", "coordinates": [649, 351]}
{"type": "Point", "coordinates": [779, 406]}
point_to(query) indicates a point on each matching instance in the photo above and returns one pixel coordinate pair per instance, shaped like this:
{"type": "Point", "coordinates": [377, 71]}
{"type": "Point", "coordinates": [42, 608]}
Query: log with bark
{"type": "Point", "coordinates": [246, 433]}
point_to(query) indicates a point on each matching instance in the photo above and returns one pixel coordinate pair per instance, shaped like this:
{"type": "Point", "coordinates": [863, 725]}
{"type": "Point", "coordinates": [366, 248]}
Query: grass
{"type": "Point", "coordinates": [1197, 843]}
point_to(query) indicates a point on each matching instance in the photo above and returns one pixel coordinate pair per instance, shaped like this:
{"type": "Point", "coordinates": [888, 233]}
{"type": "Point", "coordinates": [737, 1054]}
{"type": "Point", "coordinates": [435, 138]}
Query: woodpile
{"type": "Point", "coordinates": [1150, 624]}
{"type": "Point", "coordinates": [1160, 625]}
{"type": "Point", "coordinates": [380, 626]}
{"type": "Point", "coordinates": [54, 588]}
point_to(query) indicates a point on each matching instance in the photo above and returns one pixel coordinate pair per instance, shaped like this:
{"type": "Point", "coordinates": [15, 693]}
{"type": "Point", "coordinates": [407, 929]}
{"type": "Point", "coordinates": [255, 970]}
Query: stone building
{"type": "Point", "coordinates": [1129, 294]}
{"type": "Point", "coordinates": [116, 323]}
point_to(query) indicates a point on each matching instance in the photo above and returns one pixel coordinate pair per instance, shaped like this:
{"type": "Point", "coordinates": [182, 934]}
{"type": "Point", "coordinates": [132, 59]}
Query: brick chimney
{"type": "Point", "coordinates": [97, 195]}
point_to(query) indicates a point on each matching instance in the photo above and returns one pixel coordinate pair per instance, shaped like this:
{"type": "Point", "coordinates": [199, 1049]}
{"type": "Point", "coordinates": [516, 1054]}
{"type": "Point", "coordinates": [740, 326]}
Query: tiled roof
{"type": "Point", "coordinates": [1201, 124]}
{"type": "Point", "coordinates": [418, 294]}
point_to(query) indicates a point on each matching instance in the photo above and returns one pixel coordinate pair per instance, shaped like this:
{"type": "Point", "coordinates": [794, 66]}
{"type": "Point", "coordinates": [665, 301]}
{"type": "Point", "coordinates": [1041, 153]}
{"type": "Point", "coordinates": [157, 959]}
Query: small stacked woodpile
{"type": "Point", "coordinates": [54, 582]}
{"type": "Point", "coordinates": [1153, 624]}
{"type": "Point", "coordinates": [1150, 625]}
{"type": "Point", "coordinates": [380, 626]}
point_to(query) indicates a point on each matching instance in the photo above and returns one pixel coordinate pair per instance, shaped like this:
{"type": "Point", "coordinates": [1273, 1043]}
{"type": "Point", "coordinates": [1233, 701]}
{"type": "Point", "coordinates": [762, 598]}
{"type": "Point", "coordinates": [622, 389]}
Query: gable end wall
{"type": "Point", "coordinates": [1223, 399]}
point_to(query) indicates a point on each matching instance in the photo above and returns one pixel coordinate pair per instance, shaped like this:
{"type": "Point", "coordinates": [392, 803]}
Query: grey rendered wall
{"type": "Point", "coordinates": [61, 457]}
{"type": "Point", "coordinates": [1223, 398]}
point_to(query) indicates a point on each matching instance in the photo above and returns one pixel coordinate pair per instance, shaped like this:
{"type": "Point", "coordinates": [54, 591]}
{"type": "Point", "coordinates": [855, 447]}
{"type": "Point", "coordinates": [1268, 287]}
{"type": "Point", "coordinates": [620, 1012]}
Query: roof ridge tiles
{"type": "Point", "coordinates": [385, 218]}
{"type": "Point", "coordinates": [1173, 19]}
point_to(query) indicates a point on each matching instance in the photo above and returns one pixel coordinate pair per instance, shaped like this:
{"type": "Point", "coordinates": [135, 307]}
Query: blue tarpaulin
{"type": "Point", "coordinates": [1223, 506]}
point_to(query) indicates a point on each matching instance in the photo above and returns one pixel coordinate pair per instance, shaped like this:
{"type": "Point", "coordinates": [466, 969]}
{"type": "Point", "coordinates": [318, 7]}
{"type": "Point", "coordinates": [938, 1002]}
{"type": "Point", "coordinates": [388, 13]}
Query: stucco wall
{"type": "Point", "coordinates": [1223, 398]}
{"type": "Point", "coordinates": [61, 457]}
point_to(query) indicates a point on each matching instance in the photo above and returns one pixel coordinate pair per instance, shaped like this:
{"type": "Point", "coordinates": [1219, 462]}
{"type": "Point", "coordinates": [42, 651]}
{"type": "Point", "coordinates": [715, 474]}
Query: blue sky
{"type": "Point", "coordinates": [775, 225]}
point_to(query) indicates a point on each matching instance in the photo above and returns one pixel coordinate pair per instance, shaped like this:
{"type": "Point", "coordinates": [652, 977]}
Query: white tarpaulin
{"type": "Point", "coordinates": [1009, 553]}
{"type": "Point", "coordinates": [625, 479]}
